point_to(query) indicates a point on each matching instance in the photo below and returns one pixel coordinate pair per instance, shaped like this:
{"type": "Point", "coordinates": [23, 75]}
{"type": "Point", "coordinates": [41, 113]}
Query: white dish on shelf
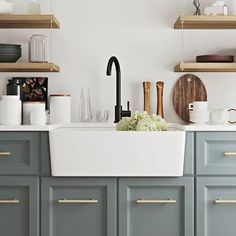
{"type": "Point", "coordinates": [5, 7]}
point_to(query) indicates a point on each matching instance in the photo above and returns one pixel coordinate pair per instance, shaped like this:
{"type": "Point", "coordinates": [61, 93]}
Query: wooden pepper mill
{"type": "Point", "coordinates": [146, 90]}
{"type": "Point", "coordinates": [160, 91]}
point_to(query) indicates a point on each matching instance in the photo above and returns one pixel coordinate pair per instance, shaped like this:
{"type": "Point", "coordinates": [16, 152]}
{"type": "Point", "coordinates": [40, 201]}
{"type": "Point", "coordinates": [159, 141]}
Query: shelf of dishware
{"type": "Point", "coordinates": [205, 67]}
{"type": "Point", "coordinates": [29, 22]}
{"type": "Point", "coordinates": [29, 67]}
{"type": "Point", "coordinates": [205, 22]}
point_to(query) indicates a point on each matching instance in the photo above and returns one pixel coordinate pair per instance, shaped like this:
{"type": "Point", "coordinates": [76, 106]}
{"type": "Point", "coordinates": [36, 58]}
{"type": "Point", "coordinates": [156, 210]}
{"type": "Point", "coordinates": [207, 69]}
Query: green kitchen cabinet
{"type": "Point", "coordinates": [156, 206]}
{"type": "Point", "coordinates": [78, 206]}
{"type": "Point", "coordinates": [216, 206]}
{"type": "Point", "coordinates": [19, 206]}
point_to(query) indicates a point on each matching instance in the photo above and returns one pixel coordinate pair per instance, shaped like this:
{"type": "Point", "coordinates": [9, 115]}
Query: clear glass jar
{"type": "Point", "coordinates": [37, 48]}
{"type": "Point", "coordinates": [34, 7]}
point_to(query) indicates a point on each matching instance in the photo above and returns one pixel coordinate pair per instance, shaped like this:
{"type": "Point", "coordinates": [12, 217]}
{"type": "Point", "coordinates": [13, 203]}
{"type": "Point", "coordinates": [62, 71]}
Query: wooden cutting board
{"type": "Point", "coordinates": [189, 88]}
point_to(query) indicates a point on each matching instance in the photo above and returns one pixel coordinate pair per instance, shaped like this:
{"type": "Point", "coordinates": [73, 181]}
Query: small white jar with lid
{"type": "Point", "coordinates": [30, 106]}
{"type": "Point", "coordinates": [10, 110]}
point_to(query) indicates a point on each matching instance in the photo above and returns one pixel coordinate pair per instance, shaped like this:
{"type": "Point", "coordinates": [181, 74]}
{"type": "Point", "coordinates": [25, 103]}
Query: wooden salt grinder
{"type": "Point", "coordinates": [146, 90]}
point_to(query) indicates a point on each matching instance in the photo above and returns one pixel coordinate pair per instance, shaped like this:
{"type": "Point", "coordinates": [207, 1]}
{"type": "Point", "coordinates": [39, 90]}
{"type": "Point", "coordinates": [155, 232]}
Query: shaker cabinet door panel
{"type": "Point", "coordinates": [153, 207]}
{"type": "Point", "coordinates": [216, 206]}
{"type": "Point", "coordinates": [83, 207]}
{"type": "Point", "coordinates": [19, 153]}
{"type": "Point", "coordinates": [19, 215]}
{"type": "Point", "coordinates": [216, 153]}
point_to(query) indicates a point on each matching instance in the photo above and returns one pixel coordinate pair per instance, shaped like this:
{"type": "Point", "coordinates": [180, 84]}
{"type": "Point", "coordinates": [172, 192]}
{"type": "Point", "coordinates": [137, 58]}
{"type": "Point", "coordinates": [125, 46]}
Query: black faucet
{"type": "Point", "coordinates": [119, 113]}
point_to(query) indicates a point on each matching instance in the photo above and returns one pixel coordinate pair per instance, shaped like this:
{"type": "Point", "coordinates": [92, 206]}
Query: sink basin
{"type": "Point", "coordinates": [77, 151]}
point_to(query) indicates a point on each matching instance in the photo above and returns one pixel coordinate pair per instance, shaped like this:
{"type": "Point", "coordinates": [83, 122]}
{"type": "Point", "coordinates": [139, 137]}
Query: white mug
{"type": "Point", "coordinates": [198, 106]}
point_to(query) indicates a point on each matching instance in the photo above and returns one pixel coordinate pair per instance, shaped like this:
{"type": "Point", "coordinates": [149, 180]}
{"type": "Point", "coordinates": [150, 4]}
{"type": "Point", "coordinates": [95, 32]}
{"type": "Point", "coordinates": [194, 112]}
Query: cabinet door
{"type": "Point", "coordinates": [151, 207]}
{"type": "Point", "coordinates": [216, 153]}
{"type": "Point", "coordinates": [19, 153]}
{"type": "Point", "coordinates": [216, 206]}
{"type": "Point", "coordinates": [19, 215]}
{"type": "Point", "coordinates": [84, 207]}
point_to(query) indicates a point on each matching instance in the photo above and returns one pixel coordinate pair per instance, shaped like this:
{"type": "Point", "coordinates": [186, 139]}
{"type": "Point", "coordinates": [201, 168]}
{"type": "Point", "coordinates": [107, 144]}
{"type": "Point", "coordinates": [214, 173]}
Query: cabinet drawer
{"type": "Point", "coordinates": [216, 206]}
{"type": "Point", "coordinates": [216, 153]}
{"type": "Point", "coordinates": [156, 207]}
{"type": "Point", "coordinates": [19, 152]}
{"type": "Point", "coordinates": [19, 206]}
{"type": "Point", "coordinates": [78, 206]}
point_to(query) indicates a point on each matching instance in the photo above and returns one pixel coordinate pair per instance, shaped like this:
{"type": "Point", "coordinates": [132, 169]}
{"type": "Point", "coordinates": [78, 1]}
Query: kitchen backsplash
{"type": "Point", "coordinates": [140, 33]}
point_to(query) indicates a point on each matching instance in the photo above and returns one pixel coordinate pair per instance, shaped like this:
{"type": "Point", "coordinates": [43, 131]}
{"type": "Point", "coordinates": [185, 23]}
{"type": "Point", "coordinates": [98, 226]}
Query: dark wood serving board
{"type": "Point", "coordinates": [189, 88]}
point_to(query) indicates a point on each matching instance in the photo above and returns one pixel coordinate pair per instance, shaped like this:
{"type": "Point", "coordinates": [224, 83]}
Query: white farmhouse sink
{"type": "Point", "coordinates": [106, 152]}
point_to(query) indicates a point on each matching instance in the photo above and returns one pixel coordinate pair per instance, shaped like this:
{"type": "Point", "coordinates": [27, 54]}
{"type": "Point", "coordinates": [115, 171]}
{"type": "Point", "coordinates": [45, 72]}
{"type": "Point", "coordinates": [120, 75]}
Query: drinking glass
{"type": "Point", "coordinates": [102, 116]}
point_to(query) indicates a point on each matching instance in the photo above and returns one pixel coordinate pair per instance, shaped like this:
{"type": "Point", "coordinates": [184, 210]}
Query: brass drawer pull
{"type": "Point", "coordinates": [89, 201]}
{"type": "Point", "coordinates": [2, 154]}
{"type": "Point", "coordinates": [167, 201]}
{"type": "Point", "coordinates": [15, 201]}
{"type": "Point", "coordinates": [221, 201]}
{"type": "Point", "coordinates": [230, 154]}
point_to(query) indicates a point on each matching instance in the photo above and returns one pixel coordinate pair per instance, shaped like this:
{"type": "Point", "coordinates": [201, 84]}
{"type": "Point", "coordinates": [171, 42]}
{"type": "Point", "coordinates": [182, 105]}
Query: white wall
{"type": "Point", "coordinates": [140, 33]}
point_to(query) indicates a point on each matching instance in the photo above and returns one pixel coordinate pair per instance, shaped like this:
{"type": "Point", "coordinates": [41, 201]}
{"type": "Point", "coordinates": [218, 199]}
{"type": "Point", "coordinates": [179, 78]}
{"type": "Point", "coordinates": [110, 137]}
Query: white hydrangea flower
{"type": "Point", "coordinates": [142, 122]}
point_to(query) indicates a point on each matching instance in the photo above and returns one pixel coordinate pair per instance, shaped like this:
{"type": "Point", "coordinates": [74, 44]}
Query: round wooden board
{"type": "Point", "coordinates": [189, 88]}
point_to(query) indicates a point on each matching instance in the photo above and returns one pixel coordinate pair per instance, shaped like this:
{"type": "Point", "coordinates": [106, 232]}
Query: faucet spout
{"type": "Point", "coordinates": [114, 60]}
{"type": "Point", "coordinates": [119, 113]}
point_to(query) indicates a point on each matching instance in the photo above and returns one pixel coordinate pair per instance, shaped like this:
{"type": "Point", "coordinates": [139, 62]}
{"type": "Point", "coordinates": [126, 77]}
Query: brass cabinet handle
{"type": "Point", "coordinates": [230, 154]}
{"type": "Point", "coordinates": [222, 201]}
{"type": "Point", "coordinates": [15, 201]}
{"type": "Point", "coordinates": [5, 154]}
{"type": "Point", "coordinates": [167, 201]}
{"type": "Point", "coordinates": [85, 201]}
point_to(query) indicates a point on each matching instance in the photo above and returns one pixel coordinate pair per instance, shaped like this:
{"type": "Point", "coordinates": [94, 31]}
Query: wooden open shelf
{"type": "Point", "coordinates": [206, 22]}
{"type": "Point", "coordinates": [29, 22]}
{"type": "Point", "coordinates": [205, 67]}
{"type": "Point", "coordinates": [29, 67]}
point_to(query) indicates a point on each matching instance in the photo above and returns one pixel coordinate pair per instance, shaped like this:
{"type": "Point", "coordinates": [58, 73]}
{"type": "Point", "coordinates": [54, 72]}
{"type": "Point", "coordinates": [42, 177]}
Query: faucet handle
{"type": "Point", "coordinates": [126, 113]}
{"type": "Point", "coordinates": [128, 106]}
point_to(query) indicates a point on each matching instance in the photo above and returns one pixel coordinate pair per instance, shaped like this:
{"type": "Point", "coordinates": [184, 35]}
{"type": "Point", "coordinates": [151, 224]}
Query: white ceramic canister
{"type": "Point", "coordinates": [10, 110]}
{"type": "Point", "coordinates": [60, 109]}
{"type": "Point", "coordinates": [28, 107]}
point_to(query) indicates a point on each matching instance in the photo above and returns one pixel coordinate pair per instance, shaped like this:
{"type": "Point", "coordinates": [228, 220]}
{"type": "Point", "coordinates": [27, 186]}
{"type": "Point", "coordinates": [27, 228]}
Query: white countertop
{"type": "Point", "coordinates": [190, 127]}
